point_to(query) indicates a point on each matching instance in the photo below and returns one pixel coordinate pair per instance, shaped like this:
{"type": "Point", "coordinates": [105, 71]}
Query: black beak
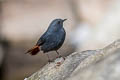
{"type": "Point", "coordinates": [64, 20]}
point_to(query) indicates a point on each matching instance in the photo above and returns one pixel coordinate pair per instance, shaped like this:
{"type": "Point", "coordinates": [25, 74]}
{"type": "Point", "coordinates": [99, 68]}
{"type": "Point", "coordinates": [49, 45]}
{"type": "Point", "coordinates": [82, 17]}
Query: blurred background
{"type": "Point", "coordinates": [91, 24]}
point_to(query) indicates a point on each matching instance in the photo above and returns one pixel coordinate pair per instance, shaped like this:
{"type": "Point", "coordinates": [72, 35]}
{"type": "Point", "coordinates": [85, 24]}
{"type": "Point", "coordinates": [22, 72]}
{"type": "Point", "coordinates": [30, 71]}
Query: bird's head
{"type": "Point", "coordinates": [57, 22]}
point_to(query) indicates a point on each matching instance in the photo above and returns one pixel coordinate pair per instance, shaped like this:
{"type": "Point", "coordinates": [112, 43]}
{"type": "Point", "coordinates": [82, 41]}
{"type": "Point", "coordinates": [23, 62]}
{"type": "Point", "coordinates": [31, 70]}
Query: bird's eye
{"type": "Point", "coordinates": [58, 22]}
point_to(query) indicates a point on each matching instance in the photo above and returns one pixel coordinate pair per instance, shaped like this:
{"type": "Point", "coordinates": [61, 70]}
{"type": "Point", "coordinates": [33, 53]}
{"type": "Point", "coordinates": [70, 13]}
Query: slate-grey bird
{"type": "Point", "coordinates": [51, 40]}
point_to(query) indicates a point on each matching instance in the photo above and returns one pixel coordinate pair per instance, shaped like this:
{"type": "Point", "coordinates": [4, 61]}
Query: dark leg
{"type": "Point", "coordinates": [59, 55]}
{"type": "Point", "coordinates": [48, 58]}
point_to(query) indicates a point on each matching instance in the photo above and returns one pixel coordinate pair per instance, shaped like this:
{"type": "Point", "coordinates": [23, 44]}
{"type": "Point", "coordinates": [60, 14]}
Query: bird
{"type": "Point", "coordinates": [51, 40]}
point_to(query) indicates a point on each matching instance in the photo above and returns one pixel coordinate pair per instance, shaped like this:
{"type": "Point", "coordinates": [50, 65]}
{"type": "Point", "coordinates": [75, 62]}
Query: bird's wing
{"type": "Point", "coordinates": [41, 40]}
{"type": "Point", "coordinates": [35, 49]}
{"type": "Point", "coordinates": [50, 43]}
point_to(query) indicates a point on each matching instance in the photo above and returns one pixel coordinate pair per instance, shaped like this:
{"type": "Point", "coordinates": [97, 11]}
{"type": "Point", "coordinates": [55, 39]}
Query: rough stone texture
{"type": "Point", "coordinates": [107, 69]}
{"type": "Point", "coordinates": [54, 71]}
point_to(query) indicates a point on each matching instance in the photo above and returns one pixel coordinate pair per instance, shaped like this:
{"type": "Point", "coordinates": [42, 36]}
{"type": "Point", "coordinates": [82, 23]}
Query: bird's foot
{"type": "Point", "coordinates": [60, 62]}
{"type": "Point", "coordinates": [63, 58]}
{"type": "Point", "coordinates": [60, 57]}
{"type": "Point", "coordinates": [49, 61]}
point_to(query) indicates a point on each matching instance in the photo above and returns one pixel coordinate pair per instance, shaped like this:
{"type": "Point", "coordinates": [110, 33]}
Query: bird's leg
{"type": "Point", "coordinates": [59, 55]}
{"type": "Point", "coordinates": [48, 58]}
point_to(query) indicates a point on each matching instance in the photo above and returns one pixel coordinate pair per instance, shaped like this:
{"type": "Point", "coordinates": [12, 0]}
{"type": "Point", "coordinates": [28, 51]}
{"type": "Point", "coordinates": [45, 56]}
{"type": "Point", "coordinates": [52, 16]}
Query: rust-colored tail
{"type": "Point", "coordinates": [34, 50]}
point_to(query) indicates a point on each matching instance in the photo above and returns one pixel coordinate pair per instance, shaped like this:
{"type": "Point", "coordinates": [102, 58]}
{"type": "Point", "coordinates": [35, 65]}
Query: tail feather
{"type": "Point", "coordinates": [34, 50]}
